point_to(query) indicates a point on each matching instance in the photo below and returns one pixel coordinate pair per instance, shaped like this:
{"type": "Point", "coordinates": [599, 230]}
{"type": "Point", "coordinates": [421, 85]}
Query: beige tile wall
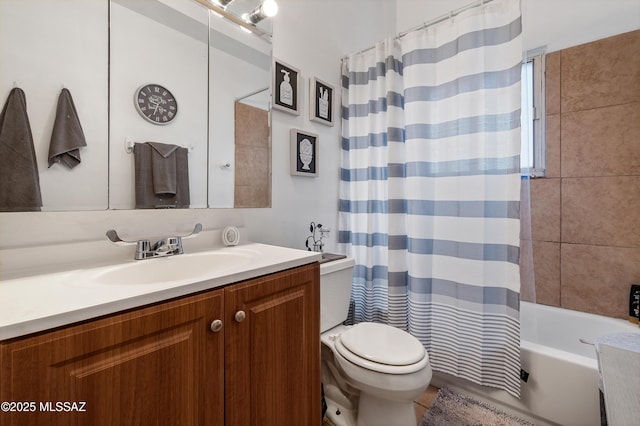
{"type": "Point", "coordinates": [252, 157]}
{"type": "Point", "coordinates": [585, 215]}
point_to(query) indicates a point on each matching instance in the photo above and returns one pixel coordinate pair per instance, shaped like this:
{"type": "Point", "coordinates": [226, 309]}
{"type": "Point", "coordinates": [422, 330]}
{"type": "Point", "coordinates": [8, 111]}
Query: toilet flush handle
{"type": "Point", "coordinates": [240, 316]}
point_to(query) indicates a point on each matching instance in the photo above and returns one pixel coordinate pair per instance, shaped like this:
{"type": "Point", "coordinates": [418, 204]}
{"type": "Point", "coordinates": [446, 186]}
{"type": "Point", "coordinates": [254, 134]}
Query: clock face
{"type": "Point", "coordinates": [156, 104]}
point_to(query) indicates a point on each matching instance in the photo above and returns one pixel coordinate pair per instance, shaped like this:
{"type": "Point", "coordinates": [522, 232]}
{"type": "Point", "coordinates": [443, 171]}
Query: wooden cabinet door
{"type": "Point", "coordinates": [160, 365]}
{"type": "Point", "coordinates": [272, 364]}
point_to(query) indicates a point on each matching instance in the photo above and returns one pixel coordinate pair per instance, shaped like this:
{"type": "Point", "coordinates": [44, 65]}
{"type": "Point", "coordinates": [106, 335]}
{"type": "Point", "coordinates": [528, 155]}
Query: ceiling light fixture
{"type": "Point", "coordinates": [267, 9]}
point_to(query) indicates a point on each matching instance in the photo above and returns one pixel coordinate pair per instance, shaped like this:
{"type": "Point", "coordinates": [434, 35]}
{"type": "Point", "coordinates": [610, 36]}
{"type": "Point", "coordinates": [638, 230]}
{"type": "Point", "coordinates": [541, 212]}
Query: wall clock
{"type": "Point", "coordinates": [156, 104]}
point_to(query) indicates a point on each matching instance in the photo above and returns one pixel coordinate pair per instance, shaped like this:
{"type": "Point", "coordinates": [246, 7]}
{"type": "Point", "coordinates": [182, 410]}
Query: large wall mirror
{"type": "Point", "coordinates": [104, 52]}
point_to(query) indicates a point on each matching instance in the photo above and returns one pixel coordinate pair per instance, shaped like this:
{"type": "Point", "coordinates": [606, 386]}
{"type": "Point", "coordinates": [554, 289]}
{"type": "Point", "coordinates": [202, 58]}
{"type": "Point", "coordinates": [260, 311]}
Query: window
{"type": "Point", "coordinates": [532, 152]}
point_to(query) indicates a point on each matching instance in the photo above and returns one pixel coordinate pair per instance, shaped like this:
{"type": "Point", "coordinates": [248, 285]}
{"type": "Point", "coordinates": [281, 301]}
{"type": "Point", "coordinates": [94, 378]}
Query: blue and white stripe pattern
{"type": "Point", "coordinates": [430, 189]}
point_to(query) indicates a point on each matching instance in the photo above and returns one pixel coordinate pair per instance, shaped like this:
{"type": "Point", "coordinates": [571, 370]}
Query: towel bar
{"type": "Point", "coordinates": [128, 146]}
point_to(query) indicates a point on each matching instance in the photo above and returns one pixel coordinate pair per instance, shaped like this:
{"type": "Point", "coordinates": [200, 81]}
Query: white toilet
{"type": "Point", "coordinates": [371, 372]}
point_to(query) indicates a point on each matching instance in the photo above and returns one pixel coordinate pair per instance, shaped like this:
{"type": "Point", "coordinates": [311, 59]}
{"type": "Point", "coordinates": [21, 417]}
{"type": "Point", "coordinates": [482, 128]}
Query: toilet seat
{"type": "Point", "coordinates": [382, 348]}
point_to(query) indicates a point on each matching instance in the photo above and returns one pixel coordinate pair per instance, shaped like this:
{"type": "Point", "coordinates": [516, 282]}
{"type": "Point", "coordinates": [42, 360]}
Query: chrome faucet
{"type": "Point", "coordinates": [168, 246]}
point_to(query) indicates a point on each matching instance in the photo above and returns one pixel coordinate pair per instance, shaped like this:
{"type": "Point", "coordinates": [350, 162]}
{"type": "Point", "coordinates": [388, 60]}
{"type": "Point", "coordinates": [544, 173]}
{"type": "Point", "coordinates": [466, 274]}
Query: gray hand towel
{"type": "Point", "coordinates": [146, 196]}
{"type": "Point", "coordinates": [67, 137]}
{"type": "Point", "coordinates": [163, 165]}
{"type": "Point", "coordinates": [19, 179]}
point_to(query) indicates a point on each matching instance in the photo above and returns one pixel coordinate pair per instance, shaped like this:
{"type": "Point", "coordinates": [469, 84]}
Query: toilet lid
{"type": "Point", "coordinates": [382, 344]}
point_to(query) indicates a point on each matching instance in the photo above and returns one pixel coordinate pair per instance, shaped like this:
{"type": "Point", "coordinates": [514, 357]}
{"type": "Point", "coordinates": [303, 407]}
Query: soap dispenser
{"type": "Point", "coordinates": [286, 91]}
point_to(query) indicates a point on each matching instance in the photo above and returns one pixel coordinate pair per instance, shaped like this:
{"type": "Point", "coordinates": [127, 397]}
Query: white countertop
{"type": "Point", "coordinates": [42, 302]}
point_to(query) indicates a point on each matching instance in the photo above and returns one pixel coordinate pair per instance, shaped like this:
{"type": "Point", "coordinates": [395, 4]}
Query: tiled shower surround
{"type": "Point", "coordinates": [252, 157]}
{"type": "Point", "coordinates": [585, 214]}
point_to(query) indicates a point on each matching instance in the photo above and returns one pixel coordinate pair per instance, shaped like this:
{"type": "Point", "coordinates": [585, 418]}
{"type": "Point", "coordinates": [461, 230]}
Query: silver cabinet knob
{"type": "Point", "coordinates": [240, 316]}
{"type": "Point", "coordinates": [216, 325]}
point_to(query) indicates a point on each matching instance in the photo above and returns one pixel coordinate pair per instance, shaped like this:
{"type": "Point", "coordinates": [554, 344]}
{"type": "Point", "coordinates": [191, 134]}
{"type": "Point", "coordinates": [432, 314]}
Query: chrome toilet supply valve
{"type": "Point", "coordinates": [316, 243]}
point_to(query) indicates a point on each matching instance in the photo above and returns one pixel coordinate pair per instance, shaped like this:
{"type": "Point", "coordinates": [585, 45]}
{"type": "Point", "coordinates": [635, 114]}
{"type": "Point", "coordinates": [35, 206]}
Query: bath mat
{"type": "Point", "coordinates": [451, 408]}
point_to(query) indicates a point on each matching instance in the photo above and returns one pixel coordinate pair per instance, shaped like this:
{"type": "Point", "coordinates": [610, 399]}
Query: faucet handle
{"type": "Point", "coordinates": [176, 242]}
{"type": "Point", "coordinates": [196, 230]}
{"type": "Point", "coordinates": [112, 235]}
{"type": "Point", "coordinates": [143, 246]}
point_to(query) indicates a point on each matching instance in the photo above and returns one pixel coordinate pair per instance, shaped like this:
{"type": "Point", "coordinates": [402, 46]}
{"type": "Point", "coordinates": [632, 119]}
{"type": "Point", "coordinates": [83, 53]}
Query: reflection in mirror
{"type": "Point", "coordinates": [183, 47]}
{"type": "Point", "coordinates": [46, 46]}
{"type": "Point", "coordinates": [239, 65]}
{"type": "Point", "coordinates": [253, 150]}
{"type": "Point", "coordinates": [104, 52]}
{"type": "Point", "coordinates": [155, 44]}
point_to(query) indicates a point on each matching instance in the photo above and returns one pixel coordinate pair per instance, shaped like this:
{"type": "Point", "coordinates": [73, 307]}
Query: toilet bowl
{"type": "Point", "coordinates": [371, 372]}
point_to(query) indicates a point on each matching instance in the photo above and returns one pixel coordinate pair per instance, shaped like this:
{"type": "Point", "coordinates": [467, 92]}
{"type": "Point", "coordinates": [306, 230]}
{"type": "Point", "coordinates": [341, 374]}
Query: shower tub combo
{"type": "Point", "coordinates": [557, 352]}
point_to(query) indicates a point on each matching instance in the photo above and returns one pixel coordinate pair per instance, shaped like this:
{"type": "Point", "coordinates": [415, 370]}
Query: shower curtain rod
{"type": "Point", "coordinates": [437, 20]}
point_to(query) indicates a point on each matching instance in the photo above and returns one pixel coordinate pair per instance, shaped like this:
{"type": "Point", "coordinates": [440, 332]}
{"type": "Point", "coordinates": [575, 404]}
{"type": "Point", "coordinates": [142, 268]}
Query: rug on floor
{"type": "Point", "coordinates": [451, 408]}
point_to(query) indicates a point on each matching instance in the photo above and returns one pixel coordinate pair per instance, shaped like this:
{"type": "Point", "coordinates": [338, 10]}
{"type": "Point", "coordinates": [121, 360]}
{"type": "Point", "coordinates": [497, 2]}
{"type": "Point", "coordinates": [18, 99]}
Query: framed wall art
{"type": "Point", "coordinates": [304, 153]}
{"type": "Point", "coordinates": [320, 101]}
{"type": "Point", "coordinates": [286, 88]}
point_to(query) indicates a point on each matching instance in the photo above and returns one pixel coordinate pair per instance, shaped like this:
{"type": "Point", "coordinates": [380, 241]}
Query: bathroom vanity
{"type": "Point", "coordinates": [238, 348]}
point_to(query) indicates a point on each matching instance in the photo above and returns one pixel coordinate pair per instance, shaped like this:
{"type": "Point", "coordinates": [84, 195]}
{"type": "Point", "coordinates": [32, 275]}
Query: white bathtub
{"type": "Point", "coordinates": [563, 383]}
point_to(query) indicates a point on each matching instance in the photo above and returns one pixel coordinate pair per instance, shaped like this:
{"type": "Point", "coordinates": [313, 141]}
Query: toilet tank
{"type": "Point", "coordinates": [335, 292]}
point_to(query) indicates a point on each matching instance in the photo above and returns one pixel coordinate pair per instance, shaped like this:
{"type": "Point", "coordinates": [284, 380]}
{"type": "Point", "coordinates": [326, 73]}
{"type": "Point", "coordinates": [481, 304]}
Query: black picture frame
{"type": "Point", "coordinates": [304, 153]}
{"type": "Point", "coordinates": [286, 88]}
{"type": "Point", "coordinates": [320, 101]}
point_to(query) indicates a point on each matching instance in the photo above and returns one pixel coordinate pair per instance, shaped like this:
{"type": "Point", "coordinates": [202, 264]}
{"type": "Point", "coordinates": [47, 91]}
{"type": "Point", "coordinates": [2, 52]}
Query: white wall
{"type": "Point", "coordinates": [313, 35]}
{"type": "Point", "coordinates": [76, 58]}
{"type": "Point", "coordinates": [137, 45]}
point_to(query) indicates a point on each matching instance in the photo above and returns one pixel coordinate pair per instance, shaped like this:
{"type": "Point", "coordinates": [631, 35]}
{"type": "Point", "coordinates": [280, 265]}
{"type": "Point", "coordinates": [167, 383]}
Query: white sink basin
{"type": "Point", "coordinates": [35, 303]}
{"type": "Point", "coordinates": [196, 266]}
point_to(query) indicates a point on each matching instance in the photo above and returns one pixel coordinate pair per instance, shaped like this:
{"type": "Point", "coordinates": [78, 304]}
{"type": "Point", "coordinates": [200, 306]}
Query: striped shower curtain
{"type": "Point", "coordinates": [430, 189]}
